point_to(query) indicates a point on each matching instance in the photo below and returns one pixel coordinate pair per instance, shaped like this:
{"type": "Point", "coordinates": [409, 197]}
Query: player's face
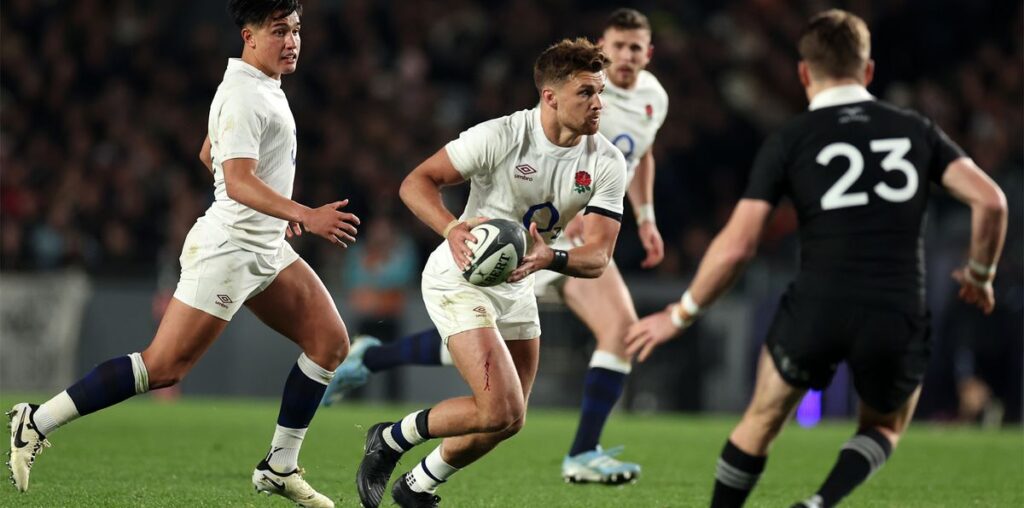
{"type": "Point", "coordinates": [630, 51]}
{"type": "Point", "coordinates": [276, 45]}
{"type": "Point", "coordinates": [579, 102]}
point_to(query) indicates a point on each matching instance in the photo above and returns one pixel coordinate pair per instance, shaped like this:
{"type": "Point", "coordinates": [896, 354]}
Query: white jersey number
{"type": "Point", "coordinates": [895, 150]}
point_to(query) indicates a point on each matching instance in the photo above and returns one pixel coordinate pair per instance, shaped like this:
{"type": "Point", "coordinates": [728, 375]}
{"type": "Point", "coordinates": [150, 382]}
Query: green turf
{"type": "Point", "coordinates": [200, 452]}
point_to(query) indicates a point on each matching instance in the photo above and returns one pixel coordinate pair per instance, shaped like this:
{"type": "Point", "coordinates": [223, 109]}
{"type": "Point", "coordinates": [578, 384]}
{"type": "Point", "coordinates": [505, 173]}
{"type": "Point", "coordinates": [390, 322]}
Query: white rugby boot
{"type": "Point", "coordinates": [290, 486]}
{"type": "Point", "coordinates": [26, 443]}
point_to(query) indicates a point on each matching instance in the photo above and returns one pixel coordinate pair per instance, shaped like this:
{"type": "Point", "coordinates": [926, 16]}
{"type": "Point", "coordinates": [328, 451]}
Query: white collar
{"type": "Point", "coordinates": [839, 95]}
{"type": "Point", "coordinates": [237, 64]}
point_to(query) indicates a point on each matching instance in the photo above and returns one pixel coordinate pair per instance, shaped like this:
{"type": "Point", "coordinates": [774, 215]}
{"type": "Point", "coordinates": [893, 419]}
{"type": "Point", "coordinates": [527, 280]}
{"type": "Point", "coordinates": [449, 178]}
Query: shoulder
{"type": "Point", "coordinates": [649, 84]}
{"type": "Point", "coordinates": [508, 126]}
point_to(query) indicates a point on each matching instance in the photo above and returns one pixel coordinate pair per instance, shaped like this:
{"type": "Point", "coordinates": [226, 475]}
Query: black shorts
{"type": "Point", "coordinates": [887, 350]}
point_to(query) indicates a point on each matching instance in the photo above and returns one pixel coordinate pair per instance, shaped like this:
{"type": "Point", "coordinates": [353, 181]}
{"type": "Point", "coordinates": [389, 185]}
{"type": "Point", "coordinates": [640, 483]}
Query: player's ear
{"type": "Point", "coordinates": [547, 95]}
{"type": "Point", "coordinates": [869, 72]}
{"type": "Point", "coordinates": [650, 51]}
{"type": "Point", "coordinates": [805, 73]}
{"type": "Point", "coordinates": [248, 37]}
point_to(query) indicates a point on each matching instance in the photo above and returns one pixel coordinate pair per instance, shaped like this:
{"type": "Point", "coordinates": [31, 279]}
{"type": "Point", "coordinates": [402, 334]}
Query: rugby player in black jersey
{"type": "Point", "coordinates": [858, 172]}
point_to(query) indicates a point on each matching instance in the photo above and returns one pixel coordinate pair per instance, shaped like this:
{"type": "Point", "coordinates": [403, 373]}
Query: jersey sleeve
{"type": "Point", "coordinates": [609, 186]}
{"type": "Point", "coordinates": [239, 128]}
{"type": "Point", "coordinates": [478, 149]}
{"type": "Point", "coordinates": [767, 178]}
{"type": "Point", "coordinates": [944, 151]}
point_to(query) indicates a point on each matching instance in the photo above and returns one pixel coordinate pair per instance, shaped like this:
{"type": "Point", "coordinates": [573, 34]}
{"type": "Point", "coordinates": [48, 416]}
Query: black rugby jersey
{"type": "Point", "coordinates": [858, 172]}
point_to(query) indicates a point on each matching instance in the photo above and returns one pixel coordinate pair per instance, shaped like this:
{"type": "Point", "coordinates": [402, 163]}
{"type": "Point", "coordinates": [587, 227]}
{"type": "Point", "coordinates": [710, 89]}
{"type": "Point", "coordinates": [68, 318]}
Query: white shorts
{"type": "Point", "coordinates": [217, 276]}
{"type": "Point", "coordinates": [456, 306]}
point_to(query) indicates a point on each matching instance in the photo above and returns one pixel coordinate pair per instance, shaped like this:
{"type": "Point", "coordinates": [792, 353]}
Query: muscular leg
{"type": "Point", "coordinates": [461, 451]}
{"type": "Point", "coordinates": [605, 306]}
{"type": "Point", "coordinates": [184, 334]}
{"type": "Point", "coordinates": [877, 435]}
{"type": "Point", "coordinates": [744, 455]}
{"type": "Point", "coordinates": [298, 306]}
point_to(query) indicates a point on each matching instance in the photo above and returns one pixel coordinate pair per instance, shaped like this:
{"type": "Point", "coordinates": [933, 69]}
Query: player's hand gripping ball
{"type": "Point", "coordinates": [500, 245]}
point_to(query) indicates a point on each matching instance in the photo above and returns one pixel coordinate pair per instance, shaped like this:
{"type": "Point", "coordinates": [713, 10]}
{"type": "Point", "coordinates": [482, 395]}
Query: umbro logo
{"type": "Point", "coordinates": [524, 171]}
{"type": "Point", "coordinates": [480, 309]}
{"type": "Point", "coordinates": [223, 300]}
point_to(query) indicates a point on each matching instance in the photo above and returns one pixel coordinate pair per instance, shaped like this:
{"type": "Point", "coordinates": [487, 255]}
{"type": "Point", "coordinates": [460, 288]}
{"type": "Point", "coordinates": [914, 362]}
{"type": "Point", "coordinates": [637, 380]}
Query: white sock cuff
{"type": "Point", "coordinates": [285, 437]}
{"type": "Point", "coordinates": [55, 412]}
{"type": "Point", "coordinates": [314, 371]}
{"type": "Point", "coordinates": [409, 429]}
{"type": "Point", "coordinates": [436, 464]}
{"type": "Point", "coordinates": [606, 360]}
{"type": "Point", "coordinates": [140, 373]}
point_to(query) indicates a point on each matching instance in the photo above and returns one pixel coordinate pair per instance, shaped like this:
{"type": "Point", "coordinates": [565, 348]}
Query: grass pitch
{"type": "Point", "coordinates": [201, 452]}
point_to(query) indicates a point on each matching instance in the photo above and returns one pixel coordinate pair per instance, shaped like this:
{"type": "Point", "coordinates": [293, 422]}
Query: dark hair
{"type": "Point", "coordinates": [258, 12]}
{"type": "Point", "coordinates": [561, 60]}
{"type": "Point", "coordinates": [627, 19]}
{"type": "Point", "coordinates": [835, 44]}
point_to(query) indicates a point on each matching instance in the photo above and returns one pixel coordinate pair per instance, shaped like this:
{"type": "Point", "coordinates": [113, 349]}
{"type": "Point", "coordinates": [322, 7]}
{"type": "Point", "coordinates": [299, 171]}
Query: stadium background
{"type": "Point", "coordinates": [103, 108]}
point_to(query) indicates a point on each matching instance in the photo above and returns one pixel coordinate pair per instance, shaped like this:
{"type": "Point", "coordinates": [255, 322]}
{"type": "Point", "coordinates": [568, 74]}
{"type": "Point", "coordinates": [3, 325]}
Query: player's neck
{"type": "Point", "coordinates": [250, 58]}
{"type": "Point", "coordinates": [556, 132]}
{"type": "Point", "coordinates": [625, 84]}
{"type": "Point", "coordinates": [817, 87]}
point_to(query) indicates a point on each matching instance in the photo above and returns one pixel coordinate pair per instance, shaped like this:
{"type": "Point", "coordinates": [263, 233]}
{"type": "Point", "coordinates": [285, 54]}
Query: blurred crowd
{"type": "Point", "coordinates": [104, 107]}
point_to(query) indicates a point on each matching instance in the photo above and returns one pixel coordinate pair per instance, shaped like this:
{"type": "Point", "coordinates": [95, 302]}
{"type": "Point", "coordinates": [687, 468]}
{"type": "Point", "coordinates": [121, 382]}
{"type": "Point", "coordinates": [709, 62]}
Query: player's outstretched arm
{"type": "Point", "coordinates": [969, 184]}
{"type": "Point", "coordinates": [243, 186]}
{"type": "Point", "coordinates": [421, 192]}
{"type": "Point", "coordinates": [724, 261]}
{"type": "Point", "coordinates": [641, 197]}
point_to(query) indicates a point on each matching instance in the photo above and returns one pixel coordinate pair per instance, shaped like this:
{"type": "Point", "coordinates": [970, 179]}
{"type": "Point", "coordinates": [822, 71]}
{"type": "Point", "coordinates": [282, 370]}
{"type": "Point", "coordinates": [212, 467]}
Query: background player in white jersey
{"type": "Point", "coordinates": [858, 172]}
{"type": "Point", "coordinates": [493, 333]}
{"type": "Point", "coordinates": [635, 106]}
{"type": "Point", "coordinates": [234, 254]}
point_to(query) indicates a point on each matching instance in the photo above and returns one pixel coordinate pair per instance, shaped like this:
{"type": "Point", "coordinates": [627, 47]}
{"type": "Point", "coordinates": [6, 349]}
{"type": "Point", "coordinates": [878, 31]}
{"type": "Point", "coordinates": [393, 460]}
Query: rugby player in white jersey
{"type": "Point", "coordinates": [635, 106]}
{"type": "Point", "coordinates": [493, 333]}
{"type": "Point", "coordinates": [235, 254]}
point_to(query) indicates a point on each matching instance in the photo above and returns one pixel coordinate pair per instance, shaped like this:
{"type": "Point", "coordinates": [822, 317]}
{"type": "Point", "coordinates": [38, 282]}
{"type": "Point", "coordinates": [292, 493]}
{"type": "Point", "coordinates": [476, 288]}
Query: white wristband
{"type": "Point", "coordinates": [980, 269]}
{"type": "Point", "coordinates": [689, 305]}
{"type": "Point", "coordinates": [972, 280]}
{"type": "Point", "coordinates": [644, 213]}
{"type": "Point", "coordinates": [677, 320]}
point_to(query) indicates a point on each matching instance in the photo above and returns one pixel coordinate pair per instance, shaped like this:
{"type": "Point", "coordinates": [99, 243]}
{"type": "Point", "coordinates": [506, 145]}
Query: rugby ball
{"type": "Point", "coordinates": [500, 245]}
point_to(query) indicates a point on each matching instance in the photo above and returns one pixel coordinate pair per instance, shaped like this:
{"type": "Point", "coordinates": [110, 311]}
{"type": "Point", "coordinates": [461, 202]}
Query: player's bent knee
{"type": "Point", "coordinates": [329, 352]}
{"type": "Point", "coordinates": [503, 418]}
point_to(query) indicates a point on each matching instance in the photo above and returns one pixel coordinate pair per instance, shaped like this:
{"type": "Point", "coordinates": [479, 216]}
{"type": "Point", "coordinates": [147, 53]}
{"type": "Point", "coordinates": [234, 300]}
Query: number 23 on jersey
{"type": "Point", "coordinates": [895, 150]}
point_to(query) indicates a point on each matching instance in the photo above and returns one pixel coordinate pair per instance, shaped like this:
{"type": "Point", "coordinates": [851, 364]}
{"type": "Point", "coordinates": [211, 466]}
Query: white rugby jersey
{"type": "Point", "coordinates": [517, 173]}
{"type": "Point", "coordinates": [631, 118]}
{"type": "Point", "coordinates": [250, 119]}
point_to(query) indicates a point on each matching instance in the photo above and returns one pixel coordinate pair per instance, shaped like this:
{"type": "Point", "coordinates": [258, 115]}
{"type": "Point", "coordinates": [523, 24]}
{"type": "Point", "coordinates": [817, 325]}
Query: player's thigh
{"type": "Point", "coordinates": [604, 305]}
{"type": "Point", "coordinates": [889, 358]}
{"type": "Point", "coordinates": [774, 398]}
{"type": "Point", "coordinates": [297, 305]}
{"type": "Point", "coordinates": [184, 334]}
{"type": "Point", "coordinates": [484, 361]}
{"type": "Point", "coordinates": [526, 357]}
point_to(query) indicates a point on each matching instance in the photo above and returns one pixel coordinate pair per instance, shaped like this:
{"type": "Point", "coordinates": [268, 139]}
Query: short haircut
{"type": "Point", "coordinates": [562, 60]}
{"type": "Point", "coordinates": [259, 12]}
{"type": "Point", "coordinates": [627, 19]}
{"type": "Point", "coordinates": [836, 44]}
